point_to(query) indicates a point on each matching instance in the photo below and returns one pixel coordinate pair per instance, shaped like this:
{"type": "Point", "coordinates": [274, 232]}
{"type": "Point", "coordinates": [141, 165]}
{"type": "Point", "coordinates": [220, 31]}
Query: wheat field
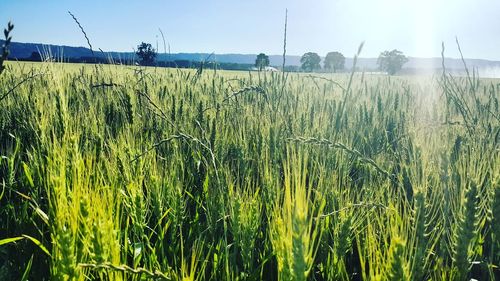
{"type": "Point", "coordinates": [130, 173]}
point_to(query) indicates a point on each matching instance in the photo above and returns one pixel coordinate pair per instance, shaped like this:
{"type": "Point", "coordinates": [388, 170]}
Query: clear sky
{"type": "Point", "coordinates": [252, 26]}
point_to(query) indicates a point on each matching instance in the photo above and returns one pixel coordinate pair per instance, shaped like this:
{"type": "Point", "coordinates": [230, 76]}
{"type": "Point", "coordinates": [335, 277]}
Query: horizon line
{"type": "Point", "coordinates": [234, 53]}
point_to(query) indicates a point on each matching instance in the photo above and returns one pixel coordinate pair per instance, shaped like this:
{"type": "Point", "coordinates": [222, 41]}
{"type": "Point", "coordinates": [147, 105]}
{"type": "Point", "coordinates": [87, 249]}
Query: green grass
{"type": "Point", "coordinates": [124, 173]}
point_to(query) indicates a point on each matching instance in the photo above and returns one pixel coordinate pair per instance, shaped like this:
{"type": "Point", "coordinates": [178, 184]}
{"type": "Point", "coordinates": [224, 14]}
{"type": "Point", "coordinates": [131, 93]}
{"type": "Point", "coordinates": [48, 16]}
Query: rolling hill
{"type": "Point", "coordinates": [20, 51]}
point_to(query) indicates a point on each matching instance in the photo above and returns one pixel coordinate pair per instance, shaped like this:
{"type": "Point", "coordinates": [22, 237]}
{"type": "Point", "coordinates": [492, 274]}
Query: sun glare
{"type": "Point", "coordinates": [423, 21]}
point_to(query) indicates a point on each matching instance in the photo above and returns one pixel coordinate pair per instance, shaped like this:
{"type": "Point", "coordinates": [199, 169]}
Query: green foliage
{"type": "Point", "coordinates": [418, 270]}
{"type": "Point", "coordinates": [496, 225]}
{"type": "Point", "coordinates": [5, 48]}
{"type": "Point", "coordinates": [397, 270]}
{"type": "Point", "coordinates": [466, 233]}
{"type": "Point", "coordinates": [334, 61]}
{"type": "Point", "coordinates": [310, 62]}
{"type": "Point", "coordinates": [228, 177]}
{"type": "Point", "coordinates": [146, 53]}
{"type": "Point", "coordinates": [261, 61]}
{"type": "Point", "coordinates": [391, 61]}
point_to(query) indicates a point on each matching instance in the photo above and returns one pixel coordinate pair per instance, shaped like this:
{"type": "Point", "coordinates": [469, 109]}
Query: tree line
{"type": "Point", "coordinates": [388, 61]}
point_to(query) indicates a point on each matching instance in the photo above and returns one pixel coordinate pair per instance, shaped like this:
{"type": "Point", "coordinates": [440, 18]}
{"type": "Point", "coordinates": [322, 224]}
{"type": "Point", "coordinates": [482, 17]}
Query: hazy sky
{"type": "Point", "coordinates": [243, 26]}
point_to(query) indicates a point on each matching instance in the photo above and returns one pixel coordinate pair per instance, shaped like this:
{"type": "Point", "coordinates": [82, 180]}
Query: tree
{"type": "Point", "coordinates": [334, 61]}
{"type": "Point", "coordinates": [391, 61]}
{"type": "Point", "coordinates": [310, 61]}
{"type": "Point", "coordinates": [261, 61]}
{"type": "Point", "coordinates": [146, 54]}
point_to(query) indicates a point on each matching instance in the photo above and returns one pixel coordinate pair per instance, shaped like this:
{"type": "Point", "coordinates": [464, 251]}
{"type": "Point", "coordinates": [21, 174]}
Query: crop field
{"type": "Point", "coordinates": [114, 172]}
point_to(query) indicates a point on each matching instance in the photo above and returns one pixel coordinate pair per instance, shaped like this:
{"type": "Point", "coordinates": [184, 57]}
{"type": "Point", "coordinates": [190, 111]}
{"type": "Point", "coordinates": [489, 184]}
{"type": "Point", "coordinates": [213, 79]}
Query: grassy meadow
{"type": "Point", "coordinates": [127, 173]}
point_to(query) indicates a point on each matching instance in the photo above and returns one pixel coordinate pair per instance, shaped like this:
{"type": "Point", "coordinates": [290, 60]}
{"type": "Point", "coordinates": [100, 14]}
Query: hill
{"type": "Point", "coordinates": [21, 51]}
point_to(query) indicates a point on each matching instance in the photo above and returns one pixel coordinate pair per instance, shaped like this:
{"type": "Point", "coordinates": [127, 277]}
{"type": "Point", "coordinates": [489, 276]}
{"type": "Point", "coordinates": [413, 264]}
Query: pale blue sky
{"type": "Point", "coordinates": [236, 26]}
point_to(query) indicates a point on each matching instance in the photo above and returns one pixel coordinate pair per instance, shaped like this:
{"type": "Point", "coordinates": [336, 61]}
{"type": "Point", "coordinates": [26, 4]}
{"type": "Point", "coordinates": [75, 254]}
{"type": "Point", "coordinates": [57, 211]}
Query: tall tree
{"type": "Point", "coordinates": [391, 61]}
{"type": "Point", "coordinates": [334, 61]}
{"type": "Point", "coordinates": [261, 61]}
{"type": "Point", "coordinates": [310, 61]}
{"type": "Point", "coordinates": [146, 54]}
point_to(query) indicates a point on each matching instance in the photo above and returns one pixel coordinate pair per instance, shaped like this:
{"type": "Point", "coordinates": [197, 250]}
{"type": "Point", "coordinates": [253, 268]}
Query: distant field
{"type": "Point", "coordinates": [127, 173]}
